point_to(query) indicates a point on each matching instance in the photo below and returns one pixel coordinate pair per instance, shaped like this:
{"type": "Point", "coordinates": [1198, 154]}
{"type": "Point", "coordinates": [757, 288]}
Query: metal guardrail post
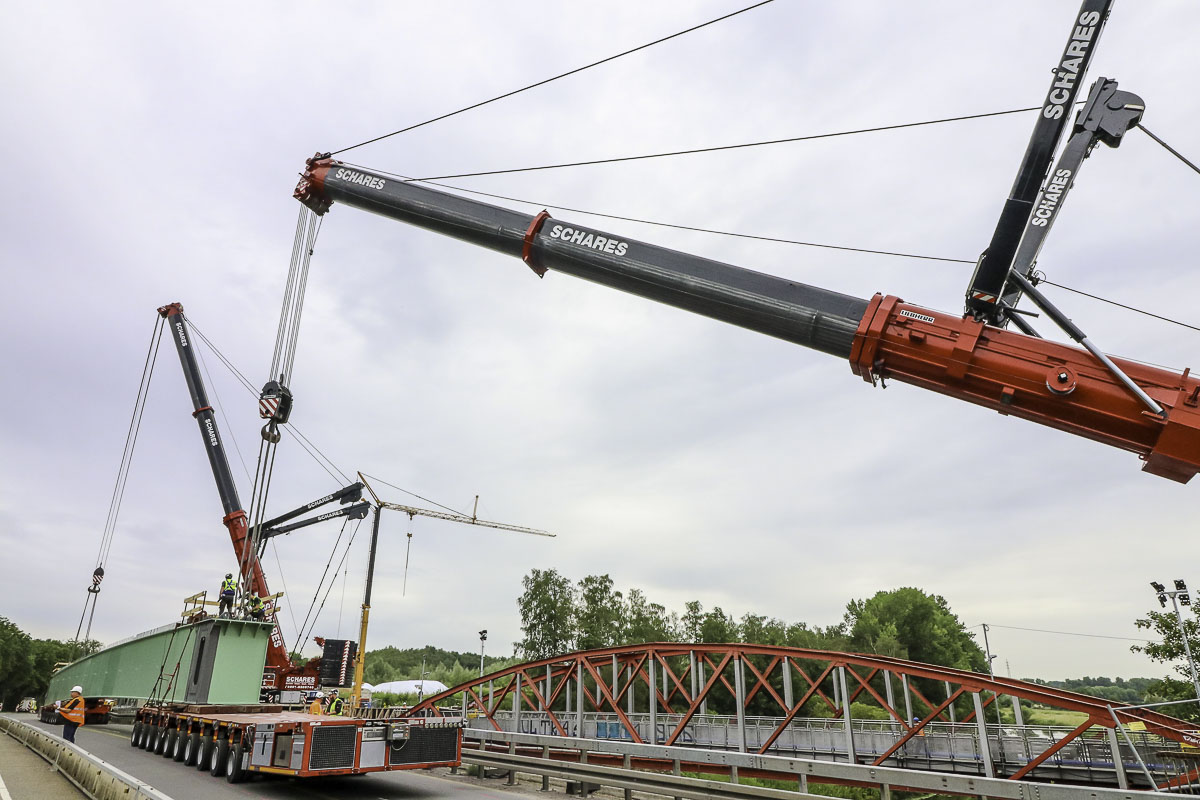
{"type": "Point", "coordinates": [692, 674]}
{"type": "Point", "coordinates": [546, 778]}
{"type": "Point", "coordinates": [517, 703]}
{"type": "Point", "coordinates": [652, 691]}
{"type": "Point", "coordinates": [739, 685]}
{"type": "Point", "coordinates": [985, 752]}
{"type": "Point", "coordinates": [851, 755]}
{"type": "Point", "coordinates": [1114, 745]}
{"type": "Point", "coordinates": [625, 763]}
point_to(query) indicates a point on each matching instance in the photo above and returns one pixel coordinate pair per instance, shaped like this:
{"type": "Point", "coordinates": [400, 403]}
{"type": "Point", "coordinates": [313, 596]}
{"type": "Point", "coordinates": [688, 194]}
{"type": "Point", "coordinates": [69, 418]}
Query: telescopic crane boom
{"type": "Point", "coordinates": [235, 516]}
{"type": "Point", "coordinates": [883, 338]}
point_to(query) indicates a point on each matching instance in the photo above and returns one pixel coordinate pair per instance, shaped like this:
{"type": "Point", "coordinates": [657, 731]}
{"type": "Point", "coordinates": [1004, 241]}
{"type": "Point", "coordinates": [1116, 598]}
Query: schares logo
{"type": "Point", "coordinates": [592, 240]}
{"type": "Point", "coordinates": [182, 335]}
{"type": "Point", "coordinates": [350, 176]}
{"type": "Point", "coordinates": [1051, 198]}
{"type": "Point", "coordinates": [212, 432]}
{"type": "Point", "coordinates": [1068, 71]}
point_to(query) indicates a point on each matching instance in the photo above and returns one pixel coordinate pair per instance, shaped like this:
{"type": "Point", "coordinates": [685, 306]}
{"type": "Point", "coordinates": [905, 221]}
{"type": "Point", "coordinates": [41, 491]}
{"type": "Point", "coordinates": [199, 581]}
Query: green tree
{"type": "Point", "coordinates": [1169, 650]}
{"type": "Point", "coordinates": [717, 627]}
{"type": "Point", "coordinates": [600, 613]}
{"type": "Point", "coordinates": [16, 663]}
{"type": "Point", "coordinates": [693, 619]}
{"type": "Point", "coordinates": [909, 620]}
{"type": "Point", "coordinates": [646, 621]}
{"type": "Point", "coordinates": [548, 615]}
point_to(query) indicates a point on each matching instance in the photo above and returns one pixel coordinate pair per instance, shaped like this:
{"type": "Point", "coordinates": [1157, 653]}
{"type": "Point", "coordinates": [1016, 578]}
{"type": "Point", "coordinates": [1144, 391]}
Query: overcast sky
{"type": "Point", "coordinates": [153, 149]}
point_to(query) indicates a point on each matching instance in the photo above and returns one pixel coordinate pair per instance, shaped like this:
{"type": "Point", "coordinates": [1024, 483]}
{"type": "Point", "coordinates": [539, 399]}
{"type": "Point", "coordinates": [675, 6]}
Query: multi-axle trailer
{"type": "Point", "coordinates": [234, 741]}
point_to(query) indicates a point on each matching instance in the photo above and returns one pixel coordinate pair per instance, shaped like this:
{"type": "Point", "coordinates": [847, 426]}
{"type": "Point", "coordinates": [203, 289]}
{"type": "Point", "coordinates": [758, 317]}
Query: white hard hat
{"type": "Point", "coordinates": [77, 689]}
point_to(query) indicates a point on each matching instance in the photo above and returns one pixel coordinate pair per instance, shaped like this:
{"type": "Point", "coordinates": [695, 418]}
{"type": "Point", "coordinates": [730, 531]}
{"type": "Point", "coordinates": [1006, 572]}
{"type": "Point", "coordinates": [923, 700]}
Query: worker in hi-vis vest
{"type": "Point", "coordinates": [228, 590]}
{"type": "Point", "coordinates": [72, 711]}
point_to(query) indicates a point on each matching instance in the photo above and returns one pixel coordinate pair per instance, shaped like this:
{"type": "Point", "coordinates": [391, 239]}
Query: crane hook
{"type": "Point", "coordinates": [270, 432]}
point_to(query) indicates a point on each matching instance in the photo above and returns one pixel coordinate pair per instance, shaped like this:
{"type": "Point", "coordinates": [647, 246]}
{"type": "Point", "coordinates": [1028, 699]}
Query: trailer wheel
{"type": "Point", "coordinates": [233, 766]}
{"type": "Point", "coordinates": [191, 749]}
{"type": "Point", "coordinates": [133, 736]}
{"type": "Point", "coordinates": [172, 742]}
{"type": "Point", "coordinates": [181, 740]}
{"type": "Point", "coordinates": [206, 750]}
{"type": "Point", "coordinates": [160, 742]}
{"type": "Point", "coordinates": [220, 756]}
{"type": "Point", "coordinates": [148, 730]}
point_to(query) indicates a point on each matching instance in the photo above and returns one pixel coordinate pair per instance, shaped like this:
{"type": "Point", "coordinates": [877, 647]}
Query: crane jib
{"type": "Point", "coordinates": [884, 338]}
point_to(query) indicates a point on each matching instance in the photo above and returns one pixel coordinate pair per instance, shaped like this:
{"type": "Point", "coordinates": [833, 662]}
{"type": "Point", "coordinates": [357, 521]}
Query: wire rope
{"type": "Point", "coordinates": [1168, 147]}
{"type": "Point", "coordinates": [719, 148]}
{"type": "Point", "coordinates": [556, 77]}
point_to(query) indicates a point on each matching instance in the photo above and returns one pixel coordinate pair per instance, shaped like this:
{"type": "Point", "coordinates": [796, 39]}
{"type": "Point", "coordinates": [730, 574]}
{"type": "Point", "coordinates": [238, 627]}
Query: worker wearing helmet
{"type": "Point", "coordinates": [72, 712]}
{"type": "Point", "coordinates": [318, 704]}
{"type": "Point", "coordinates": [255, 608]}
{"type": "Point", "coordinates": [228, 590]}
{"type": "Point", "coordinates": [337, 706]}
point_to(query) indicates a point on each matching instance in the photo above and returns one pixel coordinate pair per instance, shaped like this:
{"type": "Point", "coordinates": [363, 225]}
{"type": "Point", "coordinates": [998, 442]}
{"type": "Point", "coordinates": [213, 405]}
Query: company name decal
{"type": "Point", "coordinates": [914, 315]}
{"type": "Point", "coordinates": [592, 240]}
{"type": "Point", "coordinates": [350, 176]}
{"type": "Point", "coordinates": [1050, 198]}
{"type": "Point", "coordinates": [1068, 71]}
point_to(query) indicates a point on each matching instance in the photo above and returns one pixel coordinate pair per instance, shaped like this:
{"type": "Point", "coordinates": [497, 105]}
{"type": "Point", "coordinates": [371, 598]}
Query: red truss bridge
{"type": "Point", "coordinates": [832, 706]}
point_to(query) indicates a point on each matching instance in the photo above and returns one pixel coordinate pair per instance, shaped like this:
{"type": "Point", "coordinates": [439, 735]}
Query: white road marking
{"type": "Point", "coordinates": [4, 795]}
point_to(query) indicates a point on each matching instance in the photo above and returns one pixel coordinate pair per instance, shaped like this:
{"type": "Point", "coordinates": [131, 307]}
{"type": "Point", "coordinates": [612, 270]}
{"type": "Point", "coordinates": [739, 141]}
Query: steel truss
{"type": "Point", "coordinates": [683, 679]}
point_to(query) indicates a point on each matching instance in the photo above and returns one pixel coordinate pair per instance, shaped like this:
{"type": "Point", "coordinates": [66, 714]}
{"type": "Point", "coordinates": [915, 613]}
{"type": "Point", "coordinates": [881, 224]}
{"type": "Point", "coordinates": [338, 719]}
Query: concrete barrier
{"type": "Point", "coordinates": [97, 778]}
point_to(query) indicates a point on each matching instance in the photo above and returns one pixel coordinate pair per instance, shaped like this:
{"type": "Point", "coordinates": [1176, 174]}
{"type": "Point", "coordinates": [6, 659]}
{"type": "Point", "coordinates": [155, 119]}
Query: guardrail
{"type": "Point", "coordinates": [586, 761]}
{"type": "Point", "coordinates": [95, 777]}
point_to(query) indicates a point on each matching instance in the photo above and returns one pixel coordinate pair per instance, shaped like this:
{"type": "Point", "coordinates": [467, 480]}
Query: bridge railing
{"type": "Point", "coordinates": [944, 747]}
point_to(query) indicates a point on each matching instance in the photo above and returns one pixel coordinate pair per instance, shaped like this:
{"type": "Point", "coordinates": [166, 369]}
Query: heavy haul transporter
{"type": "Point", "coordinates": [234, 740]}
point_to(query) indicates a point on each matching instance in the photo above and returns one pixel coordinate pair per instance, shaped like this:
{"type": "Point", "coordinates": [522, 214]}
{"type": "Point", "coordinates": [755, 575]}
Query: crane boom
{"type": "Point", "coordinates": [883, 338]}
{"type": "Point", "coordinates": [463, 518]}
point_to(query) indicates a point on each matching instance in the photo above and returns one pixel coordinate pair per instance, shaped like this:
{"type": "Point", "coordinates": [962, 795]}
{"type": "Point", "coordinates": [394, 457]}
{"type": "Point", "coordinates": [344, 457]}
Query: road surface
{"type": "Point", "coordinates": [111, 743]}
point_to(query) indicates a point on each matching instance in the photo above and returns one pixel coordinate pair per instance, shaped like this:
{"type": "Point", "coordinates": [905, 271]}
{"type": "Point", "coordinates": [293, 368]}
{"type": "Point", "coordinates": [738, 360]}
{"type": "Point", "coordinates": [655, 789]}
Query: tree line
{"type": "Point", "coordinates": [26, 664]}
{"type": "Point", "coordinates": [559, 616]}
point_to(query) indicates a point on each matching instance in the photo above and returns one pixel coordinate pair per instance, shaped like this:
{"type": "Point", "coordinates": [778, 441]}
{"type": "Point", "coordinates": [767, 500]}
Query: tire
{"type": "Point", "coordinates": [147, 733]}
{"type": "Point", "coordinates": [133, 736]}
{"type": "Point", "coordinates": [220, 756]}
{"type": "Point", "coordinates": [172, 743]}
{"type": "Point", "coordinates": [233, 764]}
{"type": "Point", "coordinates": [206, 750]}
{"type": "Point", "coordinates": [181, 739]}
{"type": "Point", "coordinates": [191, 749]}
{"type": "Point", "coordinates": [160, 742]}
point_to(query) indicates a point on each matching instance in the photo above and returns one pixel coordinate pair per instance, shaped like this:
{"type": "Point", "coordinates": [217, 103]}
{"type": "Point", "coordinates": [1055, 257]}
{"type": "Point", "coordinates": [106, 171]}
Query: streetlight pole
{"type": "Point", "coordinates": [1179, 595]}
{"type": "Point", "coordinates": [482, 639]}
{"type": "Point", "coordinates": [991, 671]}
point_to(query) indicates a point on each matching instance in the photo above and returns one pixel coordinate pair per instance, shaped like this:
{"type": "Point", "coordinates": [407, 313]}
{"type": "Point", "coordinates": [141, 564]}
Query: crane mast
{"type": "Point", "coordinates": [235, 516]}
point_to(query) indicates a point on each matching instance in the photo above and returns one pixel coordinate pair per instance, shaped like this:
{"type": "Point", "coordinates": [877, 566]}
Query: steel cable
{"type": "Point", "coordinates": [556, 77]}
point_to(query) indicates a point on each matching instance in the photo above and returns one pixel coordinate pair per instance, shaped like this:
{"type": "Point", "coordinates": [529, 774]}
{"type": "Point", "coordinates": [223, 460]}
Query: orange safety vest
{"type": "Point", "coordinates": [73, 710]}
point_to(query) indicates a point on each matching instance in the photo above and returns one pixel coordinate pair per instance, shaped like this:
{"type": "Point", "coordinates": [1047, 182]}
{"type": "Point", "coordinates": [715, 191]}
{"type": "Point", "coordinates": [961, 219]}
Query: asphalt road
{"type": "Point", "coordinates": [111, 743]}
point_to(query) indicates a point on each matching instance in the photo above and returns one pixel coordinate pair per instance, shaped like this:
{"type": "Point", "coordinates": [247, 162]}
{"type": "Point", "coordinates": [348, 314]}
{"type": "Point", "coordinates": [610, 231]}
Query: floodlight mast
{"type": "Point", "coordinates": [1179, 596]}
